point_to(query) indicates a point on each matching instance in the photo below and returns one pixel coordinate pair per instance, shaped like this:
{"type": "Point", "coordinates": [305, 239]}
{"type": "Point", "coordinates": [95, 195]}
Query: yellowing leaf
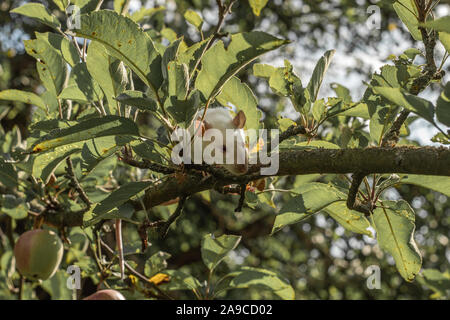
{"type": "Point", "coordinates": [159, 278]}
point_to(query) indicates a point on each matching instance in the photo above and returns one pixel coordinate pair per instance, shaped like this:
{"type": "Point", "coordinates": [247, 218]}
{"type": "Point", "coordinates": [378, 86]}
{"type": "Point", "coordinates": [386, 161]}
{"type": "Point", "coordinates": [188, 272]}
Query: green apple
{"type": "Point", "coordinates": [38, 254]}
{"type": "Point", "coordinates": [106, 295]}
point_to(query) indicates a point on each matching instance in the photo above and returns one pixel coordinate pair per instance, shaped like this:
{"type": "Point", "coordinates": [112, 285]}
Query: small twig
{"type": "Point", "coordinates": [352, 202]}
{"type": "Point", "coordinates": [145, 164]}
{"type": "Point", "coordinates": [76, 184]}
{"type": "Point", "coordinates": [60, 109]}
{"type": "Point", "coordinates": [84, 49]}
{"type": "Point", "coordinates": [119, 244]}
{"type": "Point", "coordinates": [165, 227]}
{"type": "Point", "coordinates": [292, 131]}
{"type": "Point", "coordinates": [136, 273]}
{"type": "Point", "coordinates": [391, 138]}
{"type": "Point", "coordinates": [21, 282]}
{"type": "Point", "coordinates": [242, 198]}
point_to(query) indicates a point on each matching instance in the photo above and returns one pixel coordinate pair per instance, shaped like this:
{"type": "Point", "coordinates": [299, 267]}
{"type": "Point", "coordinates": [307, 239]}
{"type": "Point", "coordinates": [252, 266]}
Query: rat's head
{"type": "Point", "coordinates": [224, 137]}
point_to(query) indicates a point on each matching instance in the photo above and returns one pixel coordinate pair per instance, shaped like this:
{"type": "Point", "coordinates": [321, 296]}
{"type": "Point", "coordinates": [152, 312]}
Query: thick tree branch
{"type": "Point", "coordinates": [402, 160]}
{"type": "Point", "coordinates": [412, 160]}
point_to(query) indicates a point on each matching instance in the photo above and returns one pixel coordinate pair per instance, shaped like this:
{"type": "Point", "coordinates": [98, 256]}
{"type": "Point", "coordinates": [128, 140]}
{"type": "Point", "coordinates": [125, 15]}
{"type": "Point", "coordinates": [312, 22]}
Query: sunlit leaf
{"type": "Point", "coordinates": [85, 130]}
{"type": "Point", "coordinates": [107, 72]}
{"type": "Point", "coordinates": [395, 227]}
{"type": "Point", "coordinates": [39, 12]}
{"type": "Point", "coordinates": [131, 45]}
{"type": "Point", "coordinates": [351, 220]}
{"type": "Point", "coordinates": [407, 12]}
{"type": "Point", "coordinates": [312, 198]}
{"type": "Point", "coordinates": [220, 64]}
{"type": "Point", "coordinates": [214, 250]}
{"type": "Point", "coordinates": [436, 183]}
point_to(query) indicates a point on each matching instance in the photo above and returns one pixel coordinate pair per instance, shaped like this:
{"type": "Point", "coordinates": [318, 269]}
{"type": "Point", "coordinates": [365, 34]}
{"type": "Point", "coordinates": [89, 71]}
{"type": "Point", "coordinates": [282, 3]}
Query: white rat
{"type": "Point", "coordinates": [223, 138]}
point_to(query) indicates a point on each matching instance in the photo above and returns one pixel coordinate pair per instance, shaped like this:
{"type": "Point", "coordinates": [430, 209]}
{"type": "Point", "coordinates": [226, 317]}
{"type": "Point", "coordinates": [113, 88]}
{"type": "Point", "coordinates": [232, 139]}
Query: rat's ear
{"type": "Point", "coordinates": [203, 127]}
{"type": "Point", "coordinates": [239, 120]}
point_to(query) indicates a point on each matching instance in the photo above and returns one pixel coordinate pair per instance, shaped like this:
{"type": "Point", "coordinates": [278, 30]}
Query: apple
{"type": "Point", "coordinates": [107, 294]}
{"type": "Point", "coordinates": [38, 254]}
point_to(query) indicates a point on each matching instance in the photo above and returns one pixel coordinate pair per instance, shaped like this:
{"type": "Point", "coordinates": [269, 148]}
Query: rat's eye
{"type": "Point", "coordinates": [224, 148]}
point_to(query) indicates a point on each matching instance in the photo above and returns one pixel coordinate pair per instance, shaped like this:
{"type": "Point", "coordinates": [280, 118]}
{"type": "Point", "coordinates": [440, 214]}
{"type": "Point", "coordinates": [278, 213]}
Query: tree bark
{"type": "Point", "coordinates": [412, 160]}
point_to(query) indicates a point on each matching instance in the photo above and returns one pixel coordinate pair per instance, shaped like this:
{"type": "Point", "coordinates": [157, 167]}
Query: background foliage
{"type": "Point", "coordinates": [212, 251]}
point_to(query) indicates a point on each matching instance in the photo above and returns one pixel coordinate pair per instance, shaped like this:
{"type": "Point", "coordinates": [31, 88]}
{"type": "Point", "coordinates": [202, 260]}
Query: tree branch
{"type": "Point", "coordinates": [401, 160]}
{"type": "Point", "coordinates": [412, 160]}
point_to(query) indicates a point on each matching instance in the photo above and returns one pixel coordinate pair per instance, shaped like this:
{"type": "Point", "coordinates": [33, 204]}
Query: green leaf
{"type": "Point", "coordinates": [156, 263]}
{"type": "Point", "coordinates": [96, 150]}
{"type": "Point", "coordinates": [39, 12]}
{"type": "Point", "coordinates": [415, 104]}
{"type": "Point", "coordinates": [257, 6]}
{"type": "Point", "coordinates": [118, 5]}
{"type": "Point", "coordinates": [62, 4]}
{"type": "Point", "coordinates": [395, 234]}
{"type": "Point", "coordinates": [131, 45]}
{"type": "Point", "coordinates": [312, 198]}
{"type": "Point", "coordinates": [82, 83]}
{"type": "Point", "coordinates": [262, 279]}
{"type": "Point", "coordinates": [23, 96]}
{"type": "Point", "coordinates": [123, 211]}
{"type": "Point", "coordinates": [283, 81]}
{"type": "Point", "coordinates": [380, 121]}
{"type": "Point", "coordinates": [137, 99]}
{"type": "Point", "coordinates": [145, 13]}
{"type": "Point", "coordinates": [8, 176]}
{"type": "Point", "coordinates": [194, 18]}
{"type": "Point", "coordinates": [15, 207]}
{"type": "Point", "coordinates": [443, 106]}
{"type": "Point", "coordinates": [46, 163]}
{"type": "Point", "coordinates": [441, 24]}
{"type": "Point", "coordinates": [178, 80]}
{"type": "Point", "coordinates": [318, 109]}
{"type": "Point", "coordinates": [170, 54]}
{"type": "Point", "coordinates": [191, 56]}
{"type": "Point", "coordinates": [437, 281]}
{"type": "Point", "coordinates": [318, 74]}
{"type": "Point", "coordinates": [445, 39]}
{"type": "Point", "coordinates": [440, 138]}
{"type": "Point", "coordinates": [56, 286]}
{"type": "Point", "coordinates": [121, 195]}
{"type": "Point", "coordinates": [220, 64]}
{"type": "Point", "coordinates": [351, 220]}
{"type": "Point", "coordinates": [183, 111]}
{"type": "Point", "coordinates": [85, 130]}
{"type": "Point", "coordinates": [342, 92]}
{"type": "Point", "coordinates": [407, 12]}
{"type": "Point", "coordinates": [84, 6]}
{"type": "Point", "coordinates": [263, 70]}
{"type": "Point", "coordinates": [436, 183]}
{"type": "Point", "coordinates": [214, 250]}
{"type": "Point", "coordinates": [180, 281]}
{"type": "Point", "coordinates": [241, 96]}
{"type": "Point", "coordinates": [62, 44]}
{"type": "Point", "coordinates": [107, 71]}
{"type": "Point", "coordinates": [360, 110]}
{"type": "Point", "coordinates": [51, 65]}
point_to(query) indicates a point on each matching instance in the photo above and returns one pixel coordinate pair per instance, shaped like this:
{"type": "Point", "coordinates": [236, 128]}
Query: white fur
{"type": "Point", "coordinates": [221, 119]}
